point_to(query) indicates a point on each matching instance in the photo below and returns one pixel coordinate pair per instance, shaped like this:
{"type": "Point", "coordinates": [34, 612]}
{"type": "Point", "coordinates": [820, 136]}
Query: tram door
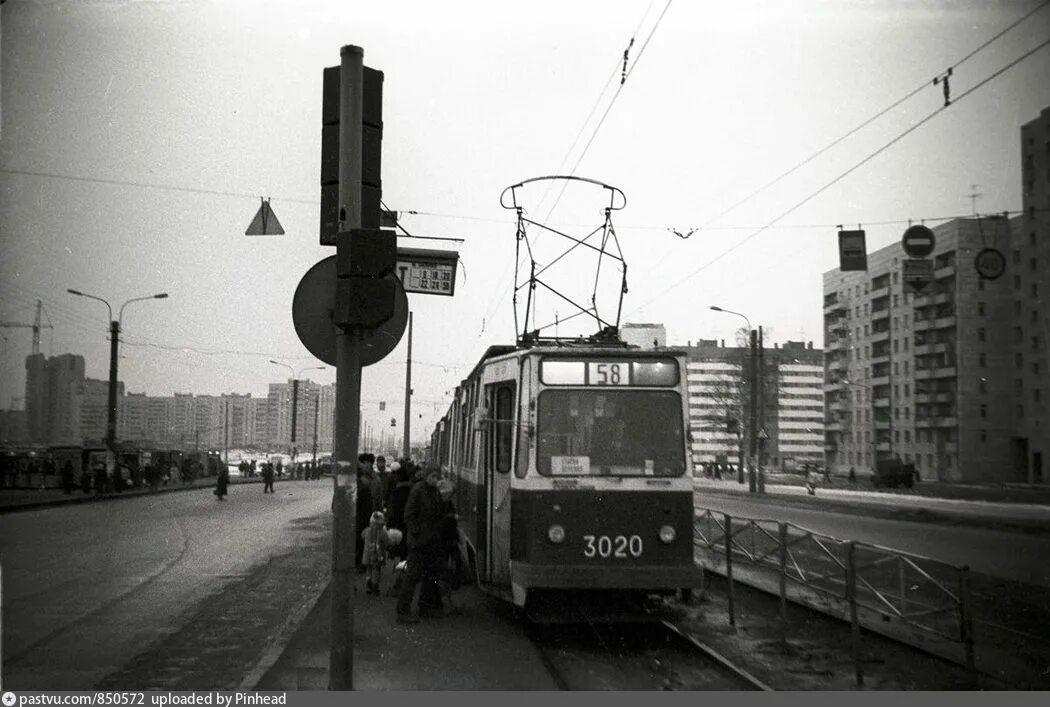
{"type": "Point", "coordinates": [499, 438]}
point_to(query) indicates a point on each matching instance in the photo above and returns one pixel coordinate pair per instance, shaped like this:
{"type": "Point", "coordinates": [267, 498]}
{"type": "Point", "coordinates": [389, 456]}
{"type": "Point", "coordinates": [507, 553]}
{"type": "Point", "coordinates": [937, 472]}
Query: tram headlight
{"type": "Point", "coordinates": [667, 534]}
{"type": "Point", "coordinates": [556, 534]}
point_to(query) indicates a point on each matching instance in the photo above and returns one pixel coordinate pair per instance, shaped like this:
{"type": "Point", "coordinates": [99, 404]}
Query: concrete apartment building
{"type": "Point", "coordinates": [314, 409]}
{"type": "Point", "coordinates": [935, 378]}
{"type": "Point", "coordinates": [954, 379]}
{"type": "Point", "coordinates": [1031, 263]}
{"type": "Point", "coordinates": [794, 402]}
{"type": "Point", "coordinates": [65, 408]}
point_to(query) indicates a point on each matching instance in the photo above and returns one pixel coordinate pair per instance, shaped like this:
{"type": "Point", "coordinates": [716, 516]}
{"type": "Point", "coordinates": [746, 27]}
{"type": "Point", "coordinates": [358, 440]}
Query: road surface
{"type": "Point", "coordinates": [88, 587]}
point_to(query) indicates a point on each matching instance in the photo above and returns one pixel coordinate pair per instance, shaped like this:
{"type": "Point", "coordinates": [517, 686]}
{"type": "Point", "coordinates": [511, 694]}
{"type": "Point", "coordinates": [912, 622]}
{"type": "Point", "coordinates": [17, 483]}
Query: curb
{"type": "Point", "coordinates": [280, 643]}
{"type": "Point", "coordinates": [881, 510]}
{"type": "Point", "coordinates": [95, 498]}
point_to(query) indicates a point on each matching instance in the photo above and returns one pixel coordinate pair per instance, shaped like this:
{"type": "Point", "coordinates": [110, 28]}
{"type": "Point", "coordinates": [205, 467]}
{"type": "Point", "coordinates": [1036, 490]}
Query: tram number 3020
{"type": "Point", "coordinates": [619, 546]}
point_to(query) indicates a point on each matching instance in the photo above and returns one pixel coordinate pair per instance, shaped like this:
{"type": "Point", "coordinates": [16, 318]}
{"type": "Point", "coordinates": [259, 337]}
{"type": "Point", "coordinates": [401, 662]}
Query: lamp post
{"type": "Point", "coordinates": [114, 336]}
{"type": "Point", "coordinates": [295, 398]}
{"type": "Point", "coordinates": [754, 383]}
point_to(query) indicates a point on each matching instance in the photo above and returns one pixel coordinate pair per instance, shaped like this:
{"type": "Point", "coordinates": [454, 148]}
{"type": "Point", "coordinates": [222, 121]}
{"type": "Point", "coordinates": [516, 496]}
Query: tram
{"type": "Point", "coordinates": [573, 475]}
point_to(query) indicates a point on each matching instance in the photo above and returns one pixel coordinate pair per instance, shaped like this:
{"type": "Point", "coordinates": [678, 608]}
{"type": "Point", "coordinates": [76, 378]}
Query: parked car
{"type": "Point", "coordinates": [891, 473]}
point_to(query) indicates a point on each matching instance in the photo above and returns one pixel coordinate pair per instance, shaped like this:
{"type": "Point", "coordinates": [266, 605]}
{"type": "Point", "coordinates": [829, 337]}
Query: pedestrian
{"type": "Point", "coordinates": [452, 567]}
{"type": "Point", "coordinates": [376, 544]}
{"type": "Point", "coordinates": [267, 474]}
{"type": "Point", "coordinates": [100, 477]}
{"type": "Point", "coordinates": [365, 504]}
{"type": "Point", "coordinates": [423, 515]}
{"type": "Point", "coordinates": [67, 477]}
{"type": "Point", "coordinates": [222, 483]}
{"type": "Point", "coordinates": [852, 475]}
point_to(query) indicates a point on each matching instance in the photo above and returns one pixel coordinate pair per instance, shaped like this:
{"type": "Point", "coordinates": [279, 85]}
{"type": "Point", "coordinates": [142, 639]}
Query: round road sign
{"type": "Point", "coordinates": [918, 241]}
{"type": "Point", "coordinates": [990, 264]}
{"type": "Point", "coordinates": [312, 308]}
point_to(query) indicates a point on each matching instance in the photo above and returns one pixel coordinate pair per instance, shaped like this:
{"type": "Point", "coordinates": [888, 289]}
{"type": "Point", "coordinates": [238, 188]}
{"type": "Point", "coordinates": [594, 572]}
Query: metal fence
{"type": "Point", "coordinates": [908, 597]}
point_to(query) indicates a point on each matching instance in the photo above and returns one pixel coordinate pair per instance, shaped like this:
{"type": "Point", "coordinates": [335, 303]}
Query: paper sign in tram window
{"type": "Point", "coordinates": [570, 466]}
{"type": "Point", "coordinates": [649, 467]}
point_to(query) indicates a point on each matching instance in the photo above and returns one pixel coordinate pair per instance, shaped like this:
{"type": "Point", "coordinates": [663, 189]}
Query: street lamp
{"type": "Point", "coordinates": [114, 336]}
{"type": "Point", "coordinates": [754, 381]}
{"type": "Point", "coordinates": [295, 395]}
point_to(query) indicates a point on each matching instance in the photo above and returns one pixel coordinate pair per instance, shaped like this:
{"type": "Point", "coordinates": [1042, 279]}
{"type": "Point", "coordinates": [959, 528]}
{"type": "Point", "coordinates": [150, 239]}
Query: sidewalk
{"type": "Point", "coordinates": [1028, 516]}
{"type": "Point", "coordinates": [481, 649]}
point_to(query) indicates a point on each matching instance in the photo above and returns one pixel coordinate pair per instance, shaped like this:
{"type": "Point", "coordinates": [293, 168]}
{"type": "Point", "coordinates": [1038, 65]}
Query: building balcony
{"type": "Point", "coordinates": [881, 357]}
{"type": "Point", "coordinates": [836, 364]}
{"type": "Point", "coordinates": [945, 372]}
{"type": "Point", "coordinates": [880, 314]}
{"type": "Point", "coordinates": [877, 336]}
{"type": "Point", "coordinates": [946, 396]}
{"type": "Point", "coordinates": [926, 349]}
{"type": "Point", "coordinates": [883, 446]}
{"type": "Point", "coordinates": [880, 380]}
{"type": "Point", "coordinates": [944, 322]}
{"type": "Point", "coordinates": [835, 406]}
{"type": "Point", "coordinates": [883, 424]}
{"type": "Point", "coordinates": [881, 402]}
{"type": "Point", "coordinates": [833, 307]}
{"type": "Point", "coordinates": [941, 298]}
{"type": "Point", "coordinates": [833, 426]}
{"type": "Point", "coordinates": [946, 271]}
{"type": "Point", "coordinates": [924, 397]}
{"type": "Point", "coordinates": [881, 291]}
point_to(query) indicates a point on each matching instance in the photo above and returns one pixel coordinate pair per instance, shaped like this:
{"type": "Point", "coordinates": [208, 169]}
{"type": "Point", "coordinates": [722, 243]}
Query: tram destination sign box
{"type": "Point", "coordinates": [428, 272]}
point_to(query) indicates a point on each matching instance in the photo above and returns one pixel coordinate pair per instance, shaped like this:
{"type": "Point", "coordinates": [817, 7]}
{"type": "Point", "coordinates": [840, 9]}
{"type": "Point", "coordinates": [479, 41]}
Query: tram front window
{"type": "Point", "coordinates": [610, 433]}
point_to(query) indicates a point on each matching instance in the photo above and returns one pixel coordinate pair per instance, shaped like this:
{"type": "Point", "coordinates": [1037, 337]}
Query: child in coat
{"type": "Point", "coordinates": [376, 544]}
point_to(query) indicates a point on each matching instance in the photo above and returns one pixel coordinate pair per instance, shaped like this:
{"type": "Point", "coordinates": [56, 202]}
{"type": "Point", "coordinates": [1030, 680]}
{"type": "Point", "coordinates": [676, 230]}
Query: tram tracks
{"type": "Point", "coordinates": [654, 655]}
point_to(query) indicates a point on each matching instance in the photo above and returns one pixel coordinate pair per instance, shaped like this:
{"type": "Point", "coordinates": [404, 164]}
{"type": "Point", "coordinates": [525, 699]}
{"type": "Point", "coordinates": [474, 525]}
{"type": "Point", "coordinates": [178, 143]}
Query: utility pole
{"type": "Point", "coordinates": [406, 447]}
{"type": "Point", "coordinates": [295, 407]}
{"type": "Point", "coordinates": [348, 382]}
{"type": "Point", "coordinates": [317, 410]}
{"type": "Point", "coordinates": [226, 431]}
{"type": "Point", "coordinates": [762, 434]}
{"type": "Point", "coordinates": [752, 424]}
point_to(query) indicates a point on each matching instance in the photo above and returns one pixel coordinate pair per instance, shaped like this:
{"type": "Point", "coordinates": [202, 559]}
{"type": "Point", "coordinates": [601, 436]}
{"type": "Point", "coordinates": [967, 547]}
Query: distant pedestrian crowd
{"type": "Point", "coordinates": [406, 518]}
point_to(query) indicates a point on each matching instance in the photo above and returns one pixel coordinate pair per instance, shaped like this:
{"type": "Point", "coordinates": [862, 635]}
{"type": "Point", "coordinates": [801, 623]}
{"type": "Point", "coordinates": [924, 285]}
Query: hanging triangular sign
{"type": "Point", "coordinates": [265, 222]}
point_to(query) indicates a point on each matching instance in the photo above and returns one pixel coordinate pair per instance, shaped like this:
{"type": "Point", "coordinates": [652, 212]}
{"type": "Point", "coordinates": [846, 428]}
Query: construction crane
{"type": "Point", "coordinates": [35, 326]}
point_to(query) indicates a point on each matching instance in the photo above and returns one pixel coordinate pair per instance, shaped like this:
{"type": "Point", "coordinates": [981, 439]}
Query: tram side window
{"type": "Point", "coordinates": [521, 462]}
{"type": "Point", "coordinates": [504, 426]}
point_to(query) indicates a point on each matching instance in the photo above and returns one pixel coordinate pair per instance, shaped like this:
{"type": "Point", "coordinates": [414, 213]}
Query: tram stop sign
{"type": "Point", "coordinates": [918, 241]}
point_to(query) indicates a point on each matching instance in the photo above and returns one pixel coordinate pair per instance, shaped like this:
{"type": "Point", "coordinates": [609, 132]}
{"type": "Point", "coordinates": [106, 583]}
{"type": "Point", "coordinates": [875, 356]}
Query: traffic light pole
{"type": "Point", "coordinates": [348, 384]}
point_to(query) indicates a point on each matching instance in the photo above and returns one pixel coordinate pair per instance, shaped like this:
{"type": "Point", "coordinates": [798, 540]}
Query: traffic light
{"type": "Point", "coordinates": [366, 289]}
{"type": "Point", "coordinates": [732, 426]}
{"type": "Point", "coordinates": [371, 151]}
{"type": "Point", "coordinates": [393, 422]}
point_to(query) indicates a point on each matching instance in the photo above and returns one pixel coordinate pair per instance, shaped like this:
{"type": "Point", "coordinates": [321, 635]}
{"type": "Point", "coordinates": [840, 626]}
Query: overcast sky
{"type": "Point", "coordinates": [159, 125]}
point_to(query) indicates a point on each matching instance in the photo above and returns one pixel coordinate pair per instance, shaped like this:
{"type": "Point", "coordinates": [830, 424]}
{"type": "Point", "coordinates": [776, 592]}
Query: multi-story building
{"type": "Point", "coordinates": [53, 398]}
{"type": "Point", "coordinates": [94, 411]}
{"type": "Point", "coordinates": [64, 407]}
{"type": "Point", "coordinates": [793, 402]}
{"type": "Point", "coordinates": [1031, 264]}
{"type": "Point", "coordinates": [934, 377]}
{"type": "Point", "coordinates": [314, 409]}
